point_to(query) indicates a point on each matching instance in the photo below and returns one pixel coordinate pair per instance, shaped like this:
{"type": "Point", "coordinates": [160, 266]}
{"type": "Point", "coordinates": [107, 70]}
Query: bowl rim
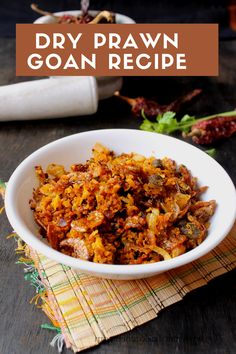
{"type": "Point", "coordinates": [40, 20]}
{"type": "Point", "coordinates": [112, 269]}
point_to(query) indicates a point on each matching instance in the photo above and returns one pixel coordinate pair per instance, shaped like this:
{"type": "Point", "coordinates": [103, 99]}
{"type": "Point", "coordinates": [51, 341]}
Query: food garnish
{"type": "Point", "coordinates": [203, 131]}
{"type": "Point", "coordinates": [211, 152]}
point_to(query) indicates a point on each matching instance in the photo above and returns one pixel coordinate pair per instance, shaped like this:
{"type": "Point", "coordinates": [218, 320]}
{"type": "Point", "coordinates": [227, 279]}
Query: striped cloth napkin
{"type": "Point", "coordinates": [88, 310]}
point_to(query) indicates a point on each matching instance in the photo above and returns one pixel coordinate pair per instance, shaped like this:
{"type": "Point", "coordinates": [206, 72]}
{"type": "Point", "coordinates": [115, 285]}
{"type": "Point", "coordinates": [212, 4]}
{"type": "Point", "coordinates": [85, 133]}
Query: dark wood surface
{"type": "Point", "coordinates": [148, 11]}
{"type": "Point", "coordinates": [205, 321]}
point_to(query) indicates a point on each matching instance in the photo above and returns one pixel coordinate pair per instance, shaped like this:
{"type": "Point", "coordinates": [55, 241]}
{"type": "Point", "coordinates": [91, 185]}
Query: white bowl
{"type": "Point", "coordinates": [107, 85]}
{"type": "Point", "coordinates": [120, 19]}
{"type": "Point", "coordinates": [77, 148]}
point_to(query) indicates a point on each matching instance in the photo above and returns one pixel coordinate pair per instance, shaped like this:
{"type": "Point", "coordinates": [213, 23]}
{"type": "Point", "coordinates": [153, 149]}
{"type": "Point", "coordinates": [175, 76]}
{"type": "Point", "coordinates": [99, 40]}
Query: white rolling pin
{"type": "Point", "coordinates": [48, 98]}
{"type": "Point", "coordinates": [107, 85]}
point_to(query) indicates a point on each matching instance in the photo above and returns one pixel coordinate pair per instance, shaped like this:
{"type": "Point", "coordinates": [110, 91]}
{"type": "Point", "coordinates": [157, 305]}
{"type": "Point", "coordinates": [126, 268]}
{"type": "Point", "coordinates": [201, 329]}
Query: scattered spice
{"type": "Point", "coordinates": [152, 108]}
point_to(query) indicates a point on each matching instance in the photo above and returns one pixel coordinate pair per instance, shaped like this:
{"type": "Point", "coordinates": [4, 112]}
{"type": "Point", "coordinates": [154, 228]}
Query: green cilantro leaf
{"type": "Point", "coordinates": [186, 122]}
{"type": "Point", "coordinates": [211, 152]}
{"type": "Point", "coordinates": [2, 184]}
{"type": "Point", "coordinates": [147, 125]}
{"type": "Point", "coordinates": [166, 123]}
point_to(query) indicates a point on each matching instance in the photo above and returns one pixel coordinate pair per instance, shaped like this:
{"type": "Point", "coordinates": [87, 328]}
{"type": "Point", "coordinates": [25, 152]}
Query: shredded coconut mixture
{"type": "Point", "coordinates": [121, 209]}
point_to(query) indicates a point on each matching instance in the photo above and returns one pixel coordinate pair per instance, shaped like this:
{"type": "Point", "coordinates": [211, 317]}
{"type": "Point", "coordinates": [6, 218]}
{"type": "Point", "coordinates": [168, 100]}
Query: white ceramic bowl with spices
{"type": "Point", "coordinates": [77, 148]}
{"type": "Point", "coordinates": [106, 85]}
{"type": "Point", "coordinates": [120, 19]}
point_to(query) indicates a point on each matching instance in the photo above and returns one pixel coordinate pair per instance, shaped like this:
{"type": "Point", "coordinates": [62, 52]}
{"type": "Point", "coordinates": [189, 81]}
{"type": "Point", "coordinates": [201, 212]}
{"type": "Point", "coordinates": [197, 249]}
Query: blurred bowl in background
{"type": "Point", "coordinates": [120, 19]}
{"type": "Point", "coordinates": [107, 85]}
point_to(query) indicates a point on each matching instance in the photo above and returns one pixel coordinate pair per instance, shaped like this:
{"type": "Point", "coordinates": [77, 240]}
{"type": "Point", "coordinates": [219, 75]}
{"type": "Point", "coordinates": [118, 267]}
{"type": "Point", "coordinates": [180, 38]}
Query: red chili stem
{"type": "Point", "coordinates": [131, 101]}
{"type": "Point", "coordinates": [35, 8]}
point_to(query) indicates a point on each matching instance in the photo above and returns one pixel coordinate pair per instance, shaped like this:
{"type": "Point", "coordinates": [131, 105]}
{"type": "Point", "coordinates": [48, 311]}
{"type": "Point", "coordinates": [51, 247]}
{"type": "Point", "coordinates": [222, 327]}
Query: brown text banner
{"type": "Point", "coordinates": [116, 49]}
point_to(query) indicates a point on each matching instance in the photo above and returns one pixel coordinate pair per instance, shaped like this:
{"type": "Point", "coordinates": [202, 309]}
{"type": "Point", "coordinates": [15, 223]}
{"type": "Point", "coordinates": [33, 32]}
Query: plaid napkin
{"type": "Point", "coordinates": [89, 310]}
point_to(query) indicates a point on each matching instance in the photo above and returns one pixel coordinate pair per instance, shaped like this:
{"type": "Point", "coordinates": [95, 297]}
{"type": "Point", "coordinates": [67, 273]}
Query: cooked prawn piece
{"type": "Point", "coordinates": [79, 250]}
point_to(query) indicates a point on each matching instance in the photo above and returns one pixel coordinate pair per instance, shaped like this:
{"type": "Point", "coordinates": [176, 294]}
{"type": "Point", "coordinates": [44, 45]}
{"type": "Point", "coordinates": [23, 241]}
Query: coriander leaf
{"type": "Point", "coordinates": [166, 123]}
{"type": "Point", "coordinates": [167, 116]}
{"type": "Point", "coordinates": [157, 127]}
{"type": "Point", "coordinates": [2, 184]}
{"type": "Point", "coordinates": [158, 117]}
{"type": "Point", "coordinates": [211, 152]}
{"type": "Point", "coordinates": [186, 122]}
{"type": "Point", "coordinates": [187, 119]}
{"type": "Point", "coordinates": [147, 125]}
{"type": "Point", "coordinates": [143, 114]}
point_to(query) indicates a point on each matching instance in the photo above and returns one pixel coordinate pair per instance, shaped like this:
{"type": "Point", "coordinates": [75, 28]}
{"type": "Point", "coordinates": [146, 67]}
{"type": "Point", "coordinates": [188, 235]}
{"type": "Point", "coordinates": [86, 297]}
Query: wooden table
{"type": "Point", "coordinates": [204, 322]}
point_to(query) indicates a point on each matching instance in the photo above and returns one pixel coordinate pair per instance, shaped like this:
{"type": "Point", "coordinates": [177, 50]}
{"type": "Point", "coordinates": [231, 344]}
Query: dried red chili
{"type": "Point", "coordinates": [206, 132]}
{"type": "Point", "coordinates": [152, 108]}
{"type": "Point", "coordinates": [203, 131]}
